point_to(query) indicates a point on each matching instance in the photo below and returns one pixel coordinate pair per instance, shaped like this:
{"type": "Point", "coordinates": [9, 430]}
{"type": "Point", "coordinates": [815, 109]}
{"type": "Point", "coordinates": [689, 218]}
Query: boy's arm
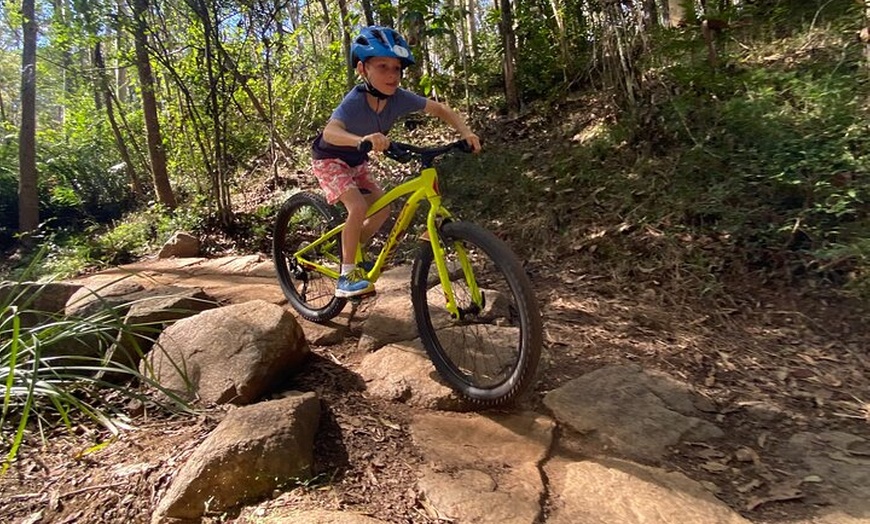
{"type": "Point", "coordinates": [337, 134]}
{"type": "Point", "coordinates": [455, 121]}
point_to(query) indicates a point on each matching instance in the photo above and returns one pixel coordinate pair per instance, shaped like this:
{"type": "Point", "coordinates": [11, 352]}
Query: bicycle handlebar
{"type": "Point", "coordinates": [404, 153]}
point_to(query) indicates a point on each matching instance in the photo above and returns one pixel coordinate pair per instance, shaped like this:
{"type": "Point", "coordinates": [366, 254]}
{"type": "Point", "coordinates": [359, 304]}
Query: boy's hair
{"type": "Point", "coordinates": [375, 41]}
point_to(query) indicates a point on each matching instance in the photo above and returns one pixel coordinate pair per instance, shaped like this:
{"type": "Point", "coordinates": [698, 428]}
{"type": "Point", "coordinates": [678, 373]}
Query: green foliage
{"type": "Point", "coordinates": [308, 89]}
{"type": "Point", "coordinates": [77, 183]}
{"type": "Point", "coordinates": [770, 156]}
{"type": "Point", "coordinates": [540, 65]}
{"type": "Point", "coordinates": [43, 382]}
{"type": "Point", "coordinates": [138, 234]}
{"type": "Point", "coordinates": [8, 189]}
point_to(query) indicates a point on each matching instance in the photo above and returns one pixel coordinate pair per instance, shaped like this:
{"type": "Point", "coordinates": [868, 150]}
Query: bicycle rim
{"type": "Point", "coordinates": [303, 219]}
{"type": "Point", "coordinates": [490, 354]}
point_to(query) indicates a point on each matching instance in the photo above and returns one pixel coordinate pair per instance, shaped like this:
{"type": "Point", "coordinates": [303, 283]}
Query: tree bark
{"type": "Point", "coordinates": [367, 11]}
{"type": "Point", "coordinates": [345, 37]}
{"type": "Point", "coordinates": [121, 44]}
{"type": "Point", "coordinates": [214, 71]}
{"type": "Point", "coordinates": [108, 98]}
{"type": "Point", "coordinates": [60, 13]}
{"type": "Point", "coordinates": [156, 150]}
{"type": "Point", "coordinates": [471, 27]}
{"type": "Point", "coordinates": [28, 194]}
{"type": "Point", "coordinates": [865, 33]}
{"type": "Point", "coordinates": [676, 13]}
{"type": "Point", "coordinates": [506, 25]}
{"type": "Point", "coordinates": [563, 37]}
{"type": "Point", "coordinates": [2, 108]}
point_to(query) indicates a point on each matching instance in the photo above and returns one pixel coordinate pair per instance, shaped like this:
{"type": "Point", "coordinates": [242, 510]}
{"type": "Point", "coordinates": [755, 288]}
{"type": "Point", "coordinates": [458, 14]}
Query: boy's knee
{"type": "Point", "coordinates": [356, 210]}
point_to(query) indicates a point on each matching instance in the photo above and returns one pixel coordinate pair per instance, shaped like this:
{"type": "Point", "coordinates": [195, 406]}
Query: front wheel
{"type": "Point", "coordinates": [301, 221]}
{"type": "Point", "coordinates": [489, 352]}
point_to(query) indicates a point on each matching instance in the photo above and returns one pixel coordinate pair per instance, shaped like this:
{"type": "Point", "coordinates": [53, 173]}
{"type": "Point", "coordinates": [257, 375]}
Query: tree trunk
{"type": "Point", "coordinates": [60, 13]}
{"type": "Point", "coordinates": [28, 195]}
{"type": "Point", "coordinates": [326, 24]}
{"type": "Point", "coordinates": [121, 44]}
{"type": "Point", "coordinates": [676, 13]}
{"type": "Point", "coordinates": [865, 33]}
{"type": "Point", "coordinates": [367, 11]}
{"type": "Point", "coordinates": [149, 108]}
{"type": "Point", "coordinates": [465, 52]}
{"type": "Point", "coordinates": [506, 26]}
{"type": "Point", "coordinates": [471, 27]}
{"type": "Point", "coordinates": [214, 71]}
{"type": "Point", "coordinates": [2, 108]}
{"type": "Point", "coordinates": [103, 80]}
{"type": "Point", "coordinates": [563, 37]}
{"type": "Point", "coordinates": [345, 37]}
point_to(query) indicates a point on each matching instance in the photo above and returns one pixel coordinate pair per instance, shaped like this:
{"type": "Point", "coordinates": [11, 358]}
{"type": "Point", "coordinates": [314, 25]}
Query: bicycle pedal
{"type": "Point", "coordinates": [356, 299]}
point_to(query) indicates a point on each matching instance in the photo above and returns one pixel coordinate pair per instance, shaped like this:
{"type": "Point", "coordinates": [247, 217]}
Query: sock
{"type": "Point", "coordinates": [347, 268]}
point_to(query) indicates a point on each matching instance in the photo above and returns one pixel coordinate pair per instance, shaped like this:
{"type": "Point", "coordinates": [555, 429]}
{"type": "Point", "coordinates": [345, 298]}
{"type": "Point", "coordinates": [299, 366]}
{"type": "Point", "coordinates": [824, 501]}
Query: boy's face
{"type": "Point", "coordinates": [384, 73]}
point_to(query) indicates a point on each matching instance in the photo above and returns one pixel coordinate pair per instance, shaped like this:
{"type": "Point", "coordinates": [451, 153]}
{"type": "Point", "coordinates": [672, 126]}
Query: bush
{"type": "Point", "coordinates": [61, 389]}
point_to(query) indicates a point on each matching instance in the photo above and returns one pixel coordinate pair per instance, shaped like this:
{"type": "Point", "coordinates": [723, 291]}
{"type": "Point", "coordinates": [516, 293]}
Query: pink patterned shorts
{"type": "Point", "coordinates": [336, 177]}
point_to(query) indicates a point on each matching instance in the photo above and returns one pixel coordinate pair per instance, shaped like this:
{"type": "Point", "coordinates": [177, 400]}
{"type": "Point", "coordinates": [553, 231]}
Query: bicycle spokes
{"type": "Point", "coordinates": [306, 258]}
{"type": "Point", "coordinates": [487, 344]}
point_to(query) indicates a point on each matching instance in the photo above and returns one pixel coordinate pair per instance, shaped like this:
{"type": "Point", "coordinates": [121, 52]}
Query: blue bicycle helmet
{"type": "Point", "coordinates": [380, 41]}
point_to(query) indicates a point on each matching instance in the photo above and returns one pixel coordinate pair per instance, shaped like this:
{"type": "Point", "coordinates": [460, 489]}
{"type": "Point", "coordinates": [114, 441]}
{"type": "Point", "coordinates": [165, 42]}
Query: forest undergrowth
{"type": "Point", "coordinates": [714, 187]}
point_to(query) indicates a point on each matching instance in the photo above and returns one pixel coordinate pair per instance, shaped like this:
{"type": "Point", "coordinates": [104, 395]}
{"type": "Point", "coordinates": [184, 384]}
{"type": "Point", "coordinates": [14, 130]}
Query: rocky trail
{"type": "Point", "coordinates": [644, 413]}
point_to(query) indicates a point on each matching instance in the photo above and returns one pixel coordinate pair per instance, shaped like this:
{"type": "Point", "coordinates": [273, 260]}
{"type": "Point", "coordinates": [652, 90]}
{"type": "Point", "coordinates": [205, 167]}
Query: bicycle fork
{"type": "Point", "coordinates": [436, 211]}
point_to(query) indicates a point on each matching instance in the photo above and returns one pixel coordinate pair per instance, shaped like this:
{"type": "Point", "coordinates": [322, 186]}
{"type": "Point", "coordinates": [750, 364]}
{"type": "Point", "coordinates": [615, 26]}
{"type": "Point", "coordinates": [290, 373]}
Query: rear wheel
{"type": "Point", "coordinates": [303, 219]}
{"type": "Point", "coordinates": [490, 353]}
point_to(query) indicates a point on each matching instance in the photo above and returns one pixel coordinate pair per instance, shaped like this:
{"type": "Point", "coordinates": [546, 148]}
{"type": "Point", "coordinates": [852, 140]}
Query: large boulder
{"type": "Point", "coordinates": [233, 354]}
{"type": "Point", "coordinates": [253, 451]}
{"type": "Point", "coordinates": [37, 302]}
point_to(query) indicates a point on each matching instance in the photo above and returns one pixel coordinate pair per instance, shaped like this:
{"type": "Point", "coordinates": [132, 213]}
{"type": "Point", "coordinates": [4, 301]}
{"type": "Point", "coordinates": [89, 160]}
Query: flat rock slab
{"type": "Point", "coordinates": [389, 316]}
{"type": "Point", "coordinates": [274, 513]}
{"type": "Point", "coordinates": [403, 373]}
{"type": "Point", "coordinates": [483, 468]}
{"type": "Point", "coordinates": [315, 516]}
{"type": "Point", "coordinates": [227, 279]}
{"type": "Point", "coordinates": [630, 412]}
{"type": "Point", "coordinates": [610, 491]}
{"type": "Point", "coordinates": [841, 464]}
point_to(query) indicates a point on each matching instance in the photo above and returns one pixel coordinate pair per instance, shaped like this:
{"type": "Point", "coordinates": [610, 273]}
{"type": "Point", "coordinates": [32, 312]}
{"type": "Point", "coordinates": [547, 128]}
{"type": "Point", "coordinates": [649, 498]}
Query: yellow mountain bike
{"type": "Point", "coordinates": [473, 303]}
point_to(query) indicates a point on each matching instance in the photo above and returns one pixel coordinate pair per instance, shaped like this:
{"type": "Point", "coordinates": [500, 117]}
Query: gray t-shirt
{"type": "Point", "coordinates": [360, 119]}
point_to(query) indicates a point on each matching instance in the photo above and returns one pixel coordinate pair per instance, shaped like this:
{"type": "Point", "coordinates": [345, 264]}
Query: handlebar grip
{"type": "Point", "coordinates": [364, 146]}
{"type": "Point", "coordinates": [463, 146]}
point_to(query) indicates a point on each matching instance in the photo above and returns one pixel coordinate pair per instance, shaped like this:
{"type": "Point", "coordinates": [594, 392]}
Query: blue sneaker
{"type": "Point", "coordinates": [353, 284]}
{"type": "Point", "coordinates": [366, 265]}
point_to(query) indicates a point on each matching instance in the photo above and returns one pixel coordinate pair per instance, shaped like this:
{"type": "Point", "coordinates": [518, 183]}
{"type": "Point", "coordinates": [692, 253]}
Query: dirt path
{"type": "Point", "coordinates": [780, 373]}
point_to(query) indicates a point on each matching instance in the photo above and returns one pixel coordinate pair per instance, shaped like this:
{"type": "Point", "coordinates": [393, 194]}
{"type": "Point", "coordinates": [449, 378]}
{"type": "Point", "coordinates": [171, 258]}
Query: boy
{"type": "Point", "coordinates": [380, 56]}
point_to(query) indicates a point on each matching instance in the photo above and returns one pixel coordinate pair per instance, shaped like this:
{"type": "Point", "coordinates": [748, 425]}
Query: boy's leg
{"type": "Point", "coordinates": [373, 223]}
{"type": "Point", "coordinates": [339, 183]}
{"type": "Point", "coordinates": [352, 281]}
{"type": "Point", "coordinates": [356, 206]}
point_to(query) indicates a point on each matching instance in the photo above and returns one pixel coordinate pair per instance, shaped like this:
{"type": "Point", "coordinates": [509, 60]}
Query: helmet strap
{"type": "Point", "coordinates": [372, 90]}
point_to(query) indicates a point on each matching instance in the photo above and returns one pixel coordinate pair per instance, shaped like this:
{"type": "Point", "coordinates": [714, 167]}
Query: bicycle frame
{"type": "Point", "coordinates": [422, 187]}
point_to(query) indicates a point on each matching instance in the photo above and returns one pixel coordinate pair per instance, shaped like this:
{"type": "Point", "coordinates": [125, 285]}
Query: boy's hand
{"type": "Point", "coordinates": [474, 141]}
{"type": "Point", "coordinates": [378, 140]}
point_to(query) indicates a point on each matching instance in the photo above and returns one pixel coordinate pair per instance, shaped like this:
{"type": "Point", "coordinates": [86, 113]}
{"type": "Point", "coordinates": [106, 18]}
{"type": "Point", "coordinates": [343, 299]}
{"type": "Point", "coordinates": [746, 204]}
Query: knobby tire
{"type": "Point", "coordinates": [302, 219]}
{"type": "Point", "coordinates": [490, 357]}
